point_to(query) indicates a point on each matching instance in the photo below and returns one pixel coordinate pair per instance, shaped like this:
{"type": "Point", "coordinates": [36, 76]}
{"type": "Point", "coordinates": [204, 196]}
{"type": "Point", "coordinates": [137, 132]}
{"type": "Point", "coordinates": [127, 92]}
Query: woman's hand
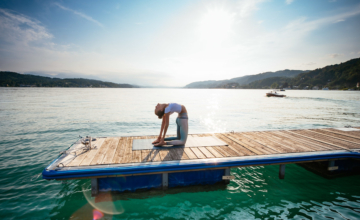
{"type": "Point", "coordinates": [161, 142]}
{"type": "Point", "coordinates": [157, 140]}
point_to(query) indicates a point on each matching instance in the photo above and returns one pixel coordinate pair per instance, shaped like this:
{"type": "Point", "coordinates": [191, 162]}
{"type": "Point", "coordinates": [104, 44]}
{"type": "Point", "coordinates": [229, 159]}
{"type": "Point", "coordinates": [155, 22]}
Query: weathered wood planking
{"type": "Point", "coordinates": [344, 134]}
{"type": "Point", "coordinates": [117, 150]}
{"type": "Point", "coordinates": [307, 141]}
{"type": "Point", "coordinates": [327, 139]}
{"type": "Point", "coordinates": [337, 136]}
{"type": "Point", "coordinates": [89, 154]}
{"type": "Point", "coordinates": [110, 153]}
{"type": "Point", "coordinates": [353, 133]}
{"type": "Point", "coordinates": [101, 153]}
{"type": "Point", "coordinates": [165, 155]}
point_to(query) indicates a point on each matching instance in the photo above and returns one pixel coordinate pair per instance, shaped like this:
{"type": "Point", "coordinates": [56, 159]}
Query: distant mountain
{"type": "Point", "coordinates": [243, 80]}
{"type": "Point", "coordinates": [13, 79]}
{"type": "Point", "coordinates": [338, 76]}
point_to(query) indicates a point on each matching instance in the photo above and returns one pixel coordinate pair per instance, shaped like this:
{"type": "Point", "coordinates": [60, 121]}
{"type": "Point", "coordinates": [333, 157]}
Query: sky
{"type": "Point", "coordinates": [174, 43]}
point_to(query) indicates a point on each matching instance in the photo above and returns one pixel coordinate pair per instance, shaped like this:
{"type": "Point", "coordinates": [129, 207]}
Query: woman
{"type": "Point", "coordinates": [163, 111]}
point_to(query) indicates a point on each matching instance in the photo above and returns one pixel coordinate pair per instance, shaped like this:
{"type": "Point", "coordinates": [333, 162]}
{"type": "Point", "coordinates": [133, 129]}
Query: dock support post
{"type": "Point", "coordinates": [94, 187]}
{"type": "Point", "coordinates": [331, 166]}
{"type": "Point", "coordinates": [165, 180]}
{"type": "Point", "coordinates": [227, 173]}
{"type": "Point", "coordinates": [282, 171]}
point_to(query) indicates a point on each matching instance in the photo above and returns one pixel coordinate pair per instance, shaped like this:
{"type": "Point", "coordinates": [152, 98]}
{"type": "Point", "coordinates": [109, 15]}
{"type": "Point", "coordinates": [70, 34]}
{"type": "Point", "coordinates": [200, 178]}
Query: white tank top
{"type": "Point", "coordinates": [173, 107]}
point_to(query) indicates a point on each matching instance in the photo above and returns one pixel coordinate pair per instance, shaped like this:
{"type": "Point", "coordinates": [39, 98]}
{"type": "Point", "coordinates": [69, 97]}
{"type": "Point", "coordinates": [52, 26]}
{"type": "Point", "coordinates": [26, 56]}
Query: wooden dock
{"type": "Point", "coordinates": [112, 157]}
{"type": "Point", "coordinates": [118, 150]}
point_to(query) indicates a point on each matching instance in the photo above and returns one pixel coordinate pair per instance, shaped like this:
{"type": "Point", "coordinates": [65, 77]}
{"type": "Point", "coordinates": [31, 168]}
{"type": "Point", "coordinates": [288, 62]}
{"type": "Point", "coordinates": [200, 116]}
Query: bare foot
{"type": "Point", "coordinates": [156, 141]}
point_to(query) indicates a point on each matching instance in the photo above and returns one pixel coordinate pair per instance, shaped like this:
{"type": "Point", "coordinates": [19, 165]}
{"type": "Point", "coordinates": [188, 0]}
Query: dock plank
{"type": "Point", "coordinates": [90, 154]}
{"type": "Point", "coordinates": [342, 133]}
{"type": "Point", "coordinates": [136, 156]}
{"type": "Point", "coordinates": [127, 156]}
{"type": "Point", "coordinates": [236, 145]}
{"type": "Point", "coordinates": [120, 150]}
{"type": "Point", "coordinates": [99, 156]}
{"type": "Point", "coordinates": [264, 141]}
{"type": "Point", "coordinates": [214, 152]}
{"type": "Point", "coordinates": [327, 139]}
{"type": "Point", "coordinates": [281, 142]}
{"type": "Point", "coordinates": [225, 151]}
{"type": "Point", "coordinates": [308, 141]}
{"type": "Point", "coordinates": [198, 153]}
{"type": "Point", "coordinates": [337, 136]}
{"type": "Point", "coordinates": [295, 146]}
{"type": "Point", "coordinates": [252, 145]}
{"type": "Point", "coordinates": [174, 155]}
{"type": "Point", "coordinates": [145, 155]}
{"type": "Point", "coordinates": [299, 142]}
{"type": "Point", "coordinates": [165, 155]}
{"type": "Point", "coordinates": [190, 153]}
{"type": "Point", "coordinates": [352, 133]}
{"type": "Point", "coordinates": [110, 153]}
{"type": "Point", "coordinates": [181, 153]}
{"type": "Point", "coordinates": [155, 156]}
{"type": "Point", "coordinates": [206, 152]}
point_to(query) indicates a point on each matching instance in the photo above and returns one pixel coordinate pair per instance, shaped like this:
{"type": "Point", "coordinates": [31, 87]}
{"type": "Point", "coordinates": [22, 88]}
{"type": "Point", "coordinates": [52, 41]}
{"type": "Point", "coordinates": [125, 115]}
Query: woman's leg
{"type": "Point", "coordinates": [177, 132]}
{"type": "Point", "coordinates": [183, 130]}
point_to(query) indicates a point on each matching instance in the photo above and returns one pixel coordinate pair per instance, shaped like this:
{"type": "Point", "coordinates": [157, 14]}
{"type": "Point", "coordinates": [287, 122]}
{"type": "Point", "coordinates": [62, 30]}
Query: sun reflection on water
{"type": "Point", "coordinates": [103, 203]}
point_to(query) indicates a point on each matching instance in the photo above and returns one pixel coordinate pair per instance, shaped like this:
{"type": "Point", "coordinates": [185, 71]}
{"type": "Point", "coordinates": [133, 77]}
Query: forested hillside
{"type": "Point", "coordinates": [12, 79]}
{"type": "Point", "coordinates": [244, 80]}
{"type": "Point", "coordinates": [339, 76]}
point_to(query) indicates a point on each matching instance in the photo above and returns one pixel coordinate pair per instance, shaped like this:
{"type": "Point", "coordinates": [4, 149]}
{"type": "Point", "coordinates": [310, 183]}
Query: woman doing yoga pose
{"type": "Point", "coordinates": [163, 111]}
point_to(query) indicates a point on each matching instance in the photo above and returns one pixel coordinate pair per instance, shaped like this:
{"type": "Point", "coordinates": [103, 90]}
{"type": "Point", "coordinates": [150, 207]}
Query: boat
{"type": "Point", "coordinates": [274, 94]}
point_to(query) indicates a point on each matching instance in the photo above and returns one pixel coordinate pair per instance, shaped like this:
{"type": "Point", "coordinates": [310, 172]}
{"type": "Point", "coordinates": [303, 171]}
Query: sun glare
{"type": "Point", "coordinates": [216, 25]}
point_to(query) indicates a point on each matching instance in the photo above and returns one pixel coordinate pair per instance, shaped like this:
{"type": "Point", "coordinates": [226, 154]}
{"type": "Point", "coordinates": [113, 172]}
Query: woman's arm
{"type": "Point", "coordinates": [165, 124]}
{"type": "Point", "coordinates": [164, 127]}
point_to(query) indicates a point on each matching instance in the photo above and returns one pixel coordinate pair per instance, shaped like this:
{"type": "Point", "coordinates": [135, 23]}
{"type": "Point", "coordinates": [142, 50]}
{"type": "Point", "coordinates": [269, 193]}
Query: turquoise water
{"type": "Point", "coordinates": [37, 123]}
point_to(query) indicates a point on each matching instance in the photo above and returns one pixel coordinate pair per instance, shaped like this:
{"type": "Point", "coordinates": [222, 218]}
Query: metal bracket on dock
{"type": "Point", "coordinates": [165, 180]}
{"type": "Point", "coordinates": [282, 171]}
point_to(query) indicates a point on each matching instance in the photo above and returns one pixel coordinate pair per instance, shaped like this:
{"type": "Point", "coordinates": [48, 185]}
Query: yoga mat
{"type": "Point", "coordinates": [146, 144]}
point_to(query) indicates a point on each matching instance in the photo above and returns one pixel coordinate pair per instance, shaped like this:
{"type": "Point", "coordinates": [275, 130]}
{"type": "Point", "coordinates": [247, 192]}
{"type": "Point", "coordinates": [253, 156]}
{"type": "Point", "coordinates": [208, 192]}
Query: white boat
{"type": "Point", "coordinates": [274, 94]}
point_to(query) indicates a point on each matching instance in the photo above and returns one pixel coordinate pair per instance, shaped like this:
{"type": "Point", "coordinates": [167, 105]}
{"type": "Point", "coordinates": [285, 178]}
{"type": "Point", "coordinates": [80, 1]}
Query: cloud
{"type": "Point", "coordinates": [247, 7]}
{"type": "Point", "coordinates": [334, 55]}
{"type": "Point", "coordinates": [21, 29]}
{"type": "Point", "coordinates": [340, 20]}
{"type": "Point", "coordinates": [288, 2]}
{"type": "Point", "coordinates": [87, 17]}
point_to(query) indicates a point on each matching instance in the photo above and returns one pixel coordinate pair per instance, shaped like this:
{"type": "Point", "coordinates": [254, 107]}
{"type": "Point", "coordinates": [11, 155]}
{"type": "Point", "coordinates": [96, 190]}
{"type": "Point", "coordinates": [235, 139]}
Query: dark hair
{"type": "Point", "coordinates": [159, 113]}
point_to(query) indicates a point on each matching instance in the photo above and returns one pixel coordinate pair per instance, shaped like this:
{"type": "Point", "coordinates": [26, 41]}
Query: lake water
{"type": "Point", "coordinates": [37, 123]}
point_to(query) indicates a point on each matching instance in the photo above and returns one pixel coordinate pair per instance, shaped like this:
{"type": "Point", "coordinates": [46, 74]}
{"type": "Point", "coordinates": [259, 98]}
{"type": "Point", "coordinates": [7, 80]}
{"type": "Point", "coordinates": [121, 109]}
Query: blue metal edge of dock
{"type": "Point", "coordinates": [190, 165]}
